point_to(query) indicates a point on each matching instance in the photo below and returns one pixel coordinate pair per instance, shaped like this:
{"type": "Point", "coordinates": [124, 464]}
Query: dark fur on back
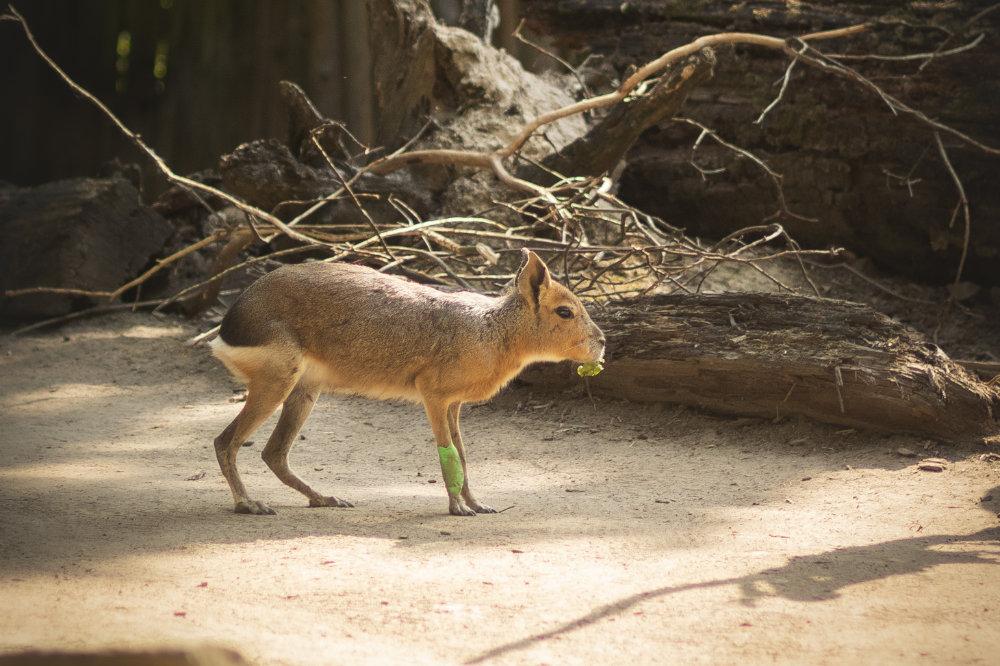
{"type": "Point", "coordinates": [241, 326]}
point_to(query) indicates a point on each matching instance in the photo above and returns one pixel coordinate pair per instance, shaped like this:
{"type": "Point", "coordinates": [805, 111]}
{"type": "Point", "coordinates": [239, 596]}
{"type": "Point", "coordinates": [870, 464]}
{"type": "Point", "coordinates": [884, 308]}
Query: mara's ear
{"type": "Point", "coordinates": [533, 277]}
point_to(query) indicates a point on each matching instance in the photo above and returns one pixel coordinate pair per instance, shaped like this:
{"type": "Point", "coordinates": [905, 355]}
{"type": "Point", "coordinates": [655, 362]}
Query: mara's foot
{"type": "Point", "coordinates": [457, 507]}
{"type": "Point", "coordinates": [330, 501]}
{"type": "Point", "coordinates": [254, 507]}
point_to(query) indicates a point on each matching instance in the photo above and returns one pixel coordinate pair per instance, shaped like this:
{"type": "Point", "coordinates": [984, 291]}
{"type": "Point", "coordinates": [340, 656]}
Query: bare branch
{"type": "Point", "coordinates": [781, 92]}
{"type": "Point", "coordinates": [963, 202]}
{"type": "Point", "coordinates": [951, 36]}
{"type": "Point", "coordinates": [909, 56]}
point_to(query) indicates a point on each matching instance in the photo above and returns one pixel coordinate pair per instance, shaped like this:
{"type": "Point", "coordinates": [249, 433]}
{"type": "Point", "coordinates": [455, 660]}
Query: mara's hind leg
{"type": "Point", "coordinates": [265, 391]}
{"type": "Point", "coordinates": [454, 415]}
{"type": "Point", "coordinates": [297, 408]}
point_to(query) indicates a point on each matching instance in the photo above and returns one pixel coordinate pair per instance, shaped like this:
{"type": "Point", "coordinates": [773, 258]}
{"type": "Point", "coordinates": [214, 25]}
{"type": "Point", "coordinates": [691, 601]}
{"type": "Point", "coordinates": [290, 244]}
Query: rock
{"type": "Point", "coordinates": [933, 465]}
{"type": "Point", "coordinates": [83, 233]}
{"type": "Point", "coordinates": [990, 457]}
{"type": "Point", "coordinates": [905, 452]}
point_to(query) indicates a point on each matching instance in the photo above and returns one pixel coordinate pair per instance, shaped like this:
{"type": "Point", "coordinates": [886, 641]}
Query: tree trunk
{"type": "Point", "coordinates": [840, 148]}
{"type": "Point", "coordinates": [773, 356]}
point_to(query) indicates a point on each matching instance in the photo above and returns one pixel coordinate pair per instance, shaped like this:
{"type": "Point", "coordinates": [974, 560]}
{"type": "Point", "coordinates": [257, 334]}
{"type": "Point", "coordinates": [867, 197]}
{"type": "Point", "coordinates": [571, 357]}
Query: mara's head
{"type": "Point", "coordinates": [563, 330]}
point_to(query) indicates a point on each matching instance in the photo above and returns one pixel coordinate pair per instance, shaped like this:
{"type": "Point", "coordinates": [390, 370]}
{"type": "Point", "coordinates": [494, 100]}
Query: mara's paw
{"type": "Point", "coordinates": [330, 501]}
{"type": "Point", "coordinates": [457, 508]}
{"type": "Point", "coordinates": [254, 507]}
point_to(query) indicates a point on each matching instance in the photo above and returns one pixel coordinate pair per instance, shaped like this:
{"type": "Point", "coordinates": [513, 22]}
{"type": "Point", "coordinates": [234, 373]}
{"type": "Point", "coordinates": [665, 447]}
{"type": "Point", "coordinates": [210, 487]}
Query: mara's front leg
{"type": "Point", "coordinates": [451, 463]}
{"type": "Point", "coordinates": [454, 415]}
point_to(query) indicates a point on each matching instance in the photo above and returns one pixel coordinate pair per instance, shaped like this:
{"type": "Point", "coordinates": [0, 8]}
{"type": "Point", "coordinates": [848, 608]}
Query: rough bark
{"type": "Point", "coordinates": [833, 143]}
{"type": "Point", "coordinates": [774, 356]}
{"type": "Point", "coordinates": [84, 233]}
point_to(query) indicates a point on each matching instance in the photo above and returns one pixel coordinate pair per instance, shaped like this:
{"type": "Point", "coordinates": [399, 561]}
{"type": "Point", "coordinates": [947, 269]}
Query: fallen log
{"type": "Point", "coordinates": [773, 356]}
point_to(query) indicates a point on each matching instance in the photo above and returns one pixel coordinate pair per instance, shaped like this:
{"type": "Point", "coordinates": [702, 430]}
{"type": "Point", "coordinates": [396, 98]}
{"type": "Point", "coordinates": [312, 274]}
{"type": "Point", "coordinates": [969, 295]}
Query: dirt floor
{"type": "Point", "coordinates": [634, 534]}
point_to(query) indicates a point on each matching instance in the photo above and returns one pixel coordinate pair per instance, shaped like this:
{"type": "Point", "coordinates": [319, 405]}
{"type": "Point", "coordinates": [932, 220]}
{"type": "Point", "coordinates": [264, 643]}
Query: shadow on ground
{"type": "Point", "coordinates": [818, 577]}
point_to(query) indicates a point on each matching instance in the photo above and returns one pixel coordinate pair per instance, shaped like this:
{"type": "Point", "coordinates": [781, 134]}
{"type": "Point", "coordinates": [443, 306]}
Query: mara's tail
{"type": "Point", "coordinates": [230, 356]}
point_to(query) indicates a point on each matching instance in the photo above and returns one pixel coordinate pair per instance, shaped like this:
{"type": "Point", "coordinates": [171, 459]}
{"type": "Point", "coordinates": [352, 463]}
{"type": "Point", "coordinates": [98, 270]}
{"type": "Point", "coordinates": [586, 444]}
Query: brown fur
{"type": "Point", "coordinates": [311, 328]}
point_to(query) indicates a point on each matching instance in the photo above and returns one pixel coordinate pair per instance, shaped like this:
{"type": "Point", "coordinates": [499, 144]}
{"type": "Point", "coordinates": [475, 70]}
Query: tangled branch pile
{"type": "Point", "coordinates": [327, 195]}
{"type": "Point", "coordinates": [602, 247]}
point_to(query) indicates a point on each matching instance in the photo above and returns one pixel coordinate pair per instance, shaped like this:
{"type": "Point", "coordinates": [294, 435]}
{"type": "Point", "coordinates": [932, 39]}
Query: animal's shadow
{"type": "Point", "coordinates": [813, 578]}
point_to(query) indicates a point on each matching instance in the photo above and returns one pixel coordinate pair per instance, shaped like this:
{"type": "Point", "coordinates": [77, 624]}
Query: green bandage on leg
{"type": "Point", "coordinates": [451, 468]}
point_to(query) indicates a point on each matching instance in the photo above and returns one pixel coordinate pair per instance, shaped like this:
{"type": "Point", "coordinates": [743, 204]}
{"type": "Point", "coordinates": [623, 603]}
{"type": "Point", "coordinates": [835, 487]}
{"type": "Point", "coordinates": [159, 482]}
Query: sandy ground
{"type": "Point", "coordinates": [635, 534]}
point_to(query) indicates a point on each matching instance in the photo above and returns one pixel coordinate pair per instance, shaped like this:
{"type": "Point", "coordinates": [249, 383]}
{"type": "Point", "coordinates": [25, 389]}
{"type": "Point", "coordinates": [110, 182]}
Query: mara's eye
{"type": "Point", "coordinates": [564, 312]}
